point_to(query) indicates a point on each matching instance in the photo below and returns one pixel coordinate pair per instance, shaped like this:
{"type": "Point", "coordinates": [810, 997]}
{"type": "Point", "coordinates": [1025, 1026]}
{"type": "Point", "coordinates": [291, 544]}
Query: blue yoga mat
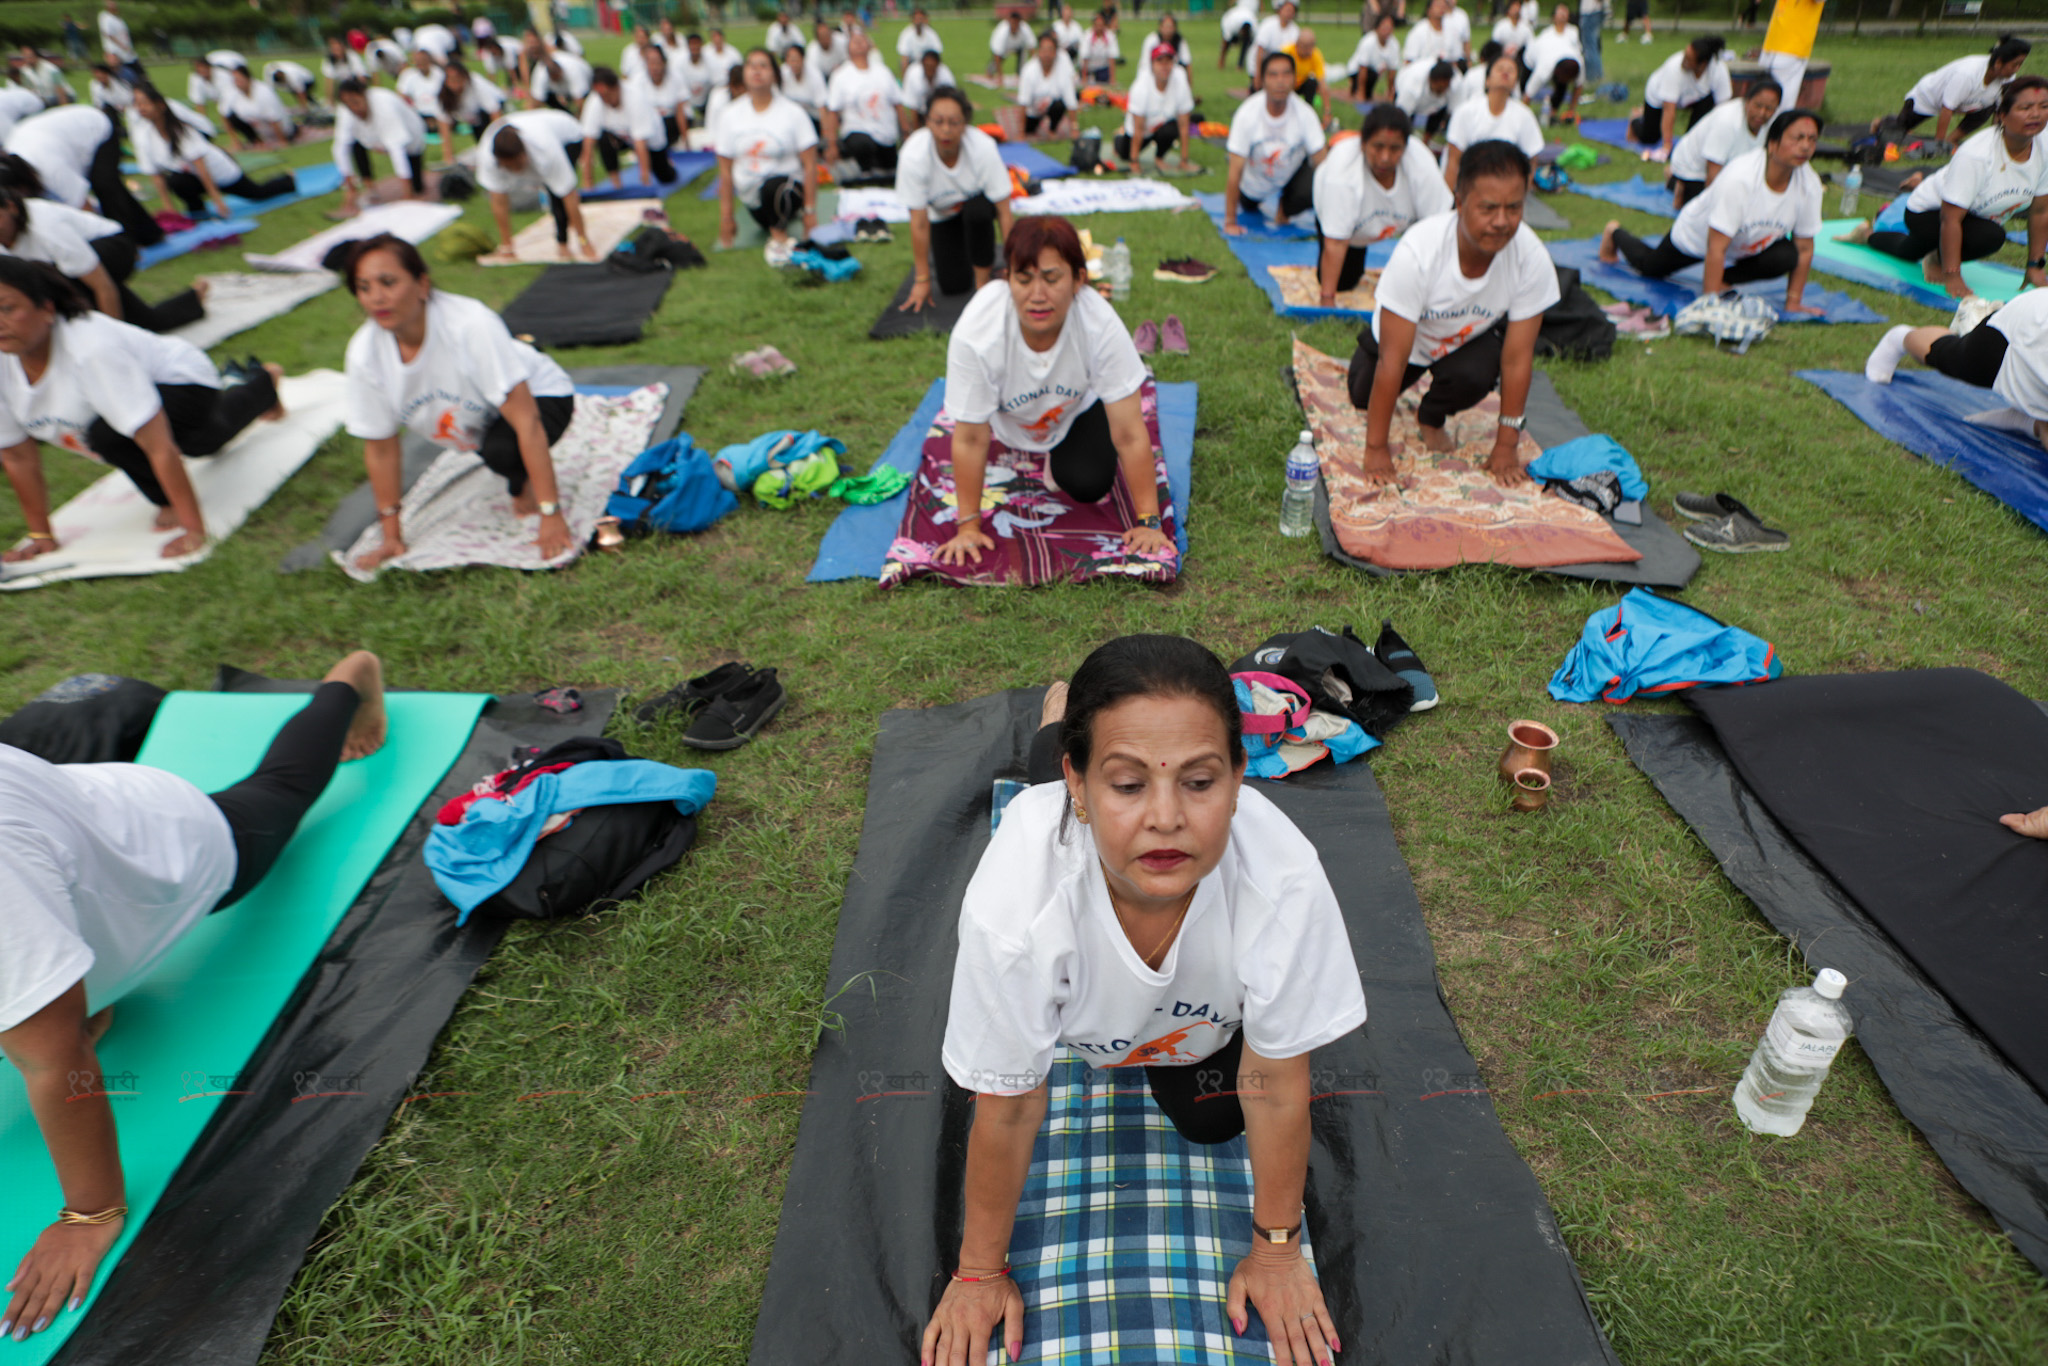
{"type": "Point", "coordinates": [1633, 193]}
{"type": "Point", "coordinates": [1259, 255]}
{"type": "Point", "coordinates": [313, 181]}
{"type": "Point", "coordinates": [1925, 412]}
{"type": "Point", "coordinates": [1033, 162]}
{"type": "Point", "coordinates": [857, 542]}
{"type": "Point", "coordinates": [1254, 223]}
{"type": "Point", "coordinates": [1613, 132]}
{"type": "Point", "coordinates": [1892, 218]}
{"type": "Point", "coordinates": [192, 238]}
{"type": "Point", "coordinates": [689, 165]}
{"type": "Point", "coordinates": [1668, 296]}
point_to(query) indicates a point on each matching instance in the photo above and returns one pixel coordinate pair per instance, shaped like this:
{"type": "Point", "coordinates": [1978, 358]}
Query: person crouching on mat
{"type": "Point", "coordinates": [861, 101]}
{"type": "Point", "coordinates": [1369, 189]}
{"type": "Point", "coordinates": [767, 160]}
{"type": "Point", "coordinates": [1757, 221]}
{"type": "Point", "coordinates": [371, 118]}
{"type": "Point", "coordinates": [253, 109]}
{"type": "Point", "coordinates": [1158, 110]}
{"type": "Point", "coordinates": [1275, 144]}
{"type": "Point", "coordinates": [1461, 299]}
{"type": "Point", "coordinates": [185, 166]}
{"type": "Point", "coordinates": [1042, 363]}
{"type": "Point", "coordinates": [1967, 86]}
{"type": "Point", "coordinates": [139, 402]}
{"type": "Point", "coordinates": [1142, 906]}
{"type": "Point", "coordinates": [90, 250]}
{"type": "Point", "coordinates": [446, 367]}
{"type": "Point", "coordinates": [534, 147]}
{"type": "Point", "coordinates": [952, 179]}
{"type": "Point", "coordinates": [620, 116]}
{"type": "Point", "coordinates": [2007, 353]}
{"type": "Point", "coordinates": [105, 868]}
{"type": "Point", "coordinates": [1732, 129]}
{"type": "Point", "coordinates": [1692, 81]}
{"type": "Point", "coordinates": [1958, 214]}
{"type": "Point", "coordinates": [1046, 90]}
{"type": "Point", "coordinates": [465, 100]}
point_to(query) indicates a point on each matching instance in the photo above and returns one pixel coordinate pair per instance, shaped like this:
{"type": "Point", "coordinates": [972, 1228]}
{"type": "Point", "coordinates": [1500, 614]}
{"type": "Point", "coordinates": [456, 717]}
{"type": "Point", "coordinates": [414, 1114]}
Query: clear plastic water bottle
{"type": "Point", "coordinates": [1791, 1061]}
{"type": "Point", "coordinates": [1116, 263]}
{"type": "Point", "coordinates": [1852, 186]}
{"type": "Point", "coordinates": [1298, 504]}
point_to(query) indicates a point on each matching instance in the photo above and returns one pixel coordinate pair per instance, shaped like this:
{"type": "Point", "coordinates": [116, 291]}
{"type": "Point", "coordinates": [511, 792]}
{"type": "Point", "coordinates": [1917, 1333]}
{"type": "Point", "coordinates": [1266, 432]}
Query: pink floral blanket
{"type": "Point", "coordinates": [1041, 535]}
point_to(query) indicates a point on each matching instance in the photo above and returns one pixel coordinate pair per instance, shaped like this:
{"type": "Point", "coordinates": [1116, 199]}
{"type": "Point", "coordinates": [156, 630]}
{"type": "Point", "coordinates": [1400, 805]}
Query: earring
{"type": "Point", "coordinates": [1081, 814]}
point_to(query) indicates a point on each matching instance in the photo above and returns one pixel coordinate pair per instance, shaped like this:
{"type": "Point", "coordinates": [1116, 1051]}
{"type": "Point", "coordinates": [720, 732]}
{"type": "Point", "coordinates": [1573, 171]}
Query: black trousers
{"type": "Point", "coordinates": [1308, 90]}
{"type": "Point", "coordinates": [202, 421]}
{"type": "Point", "coordinates": [1054, 114]}
{"type": "Point", "coordinates": [367, 173]}
{"type": "Point", "coordinates": [248, 129]}
{"type": "Point", "coordinates": [1353, 269]}
{"type": "Point", "coordinates": [1200, 1097]}
{"type": "Point", "coordinates": [1242, 41]}
{"type": "Point", "coordinates": [1959, 129]}
{"type": "Point", "coordinates": [1369, 78]}
{"type": "Point", "coordinates": [962, 243]}
{"type": "Point", "coordinates": [558, 208]}
{"type": "Point", "coordinates": [118, 255]}
{"type": "Point", "coordinates": [782, 203]}
{"type": "Point", "coordinates": [867, 153]}
{"type": "Point", "coordinates": [1297, 196]}
{"type": "Point", "coordinates": [1162, 140]}
{"type": "Point", "coordinates": [1648, 128]}
{"type": "Point", "coordinates": [110, 188]}
{"type": "Point", "coordinates": [1084, 464]}
{"type": "Point", "coordinates": [1773, 262]}
{"type": "Point", "coordinates": [500, 446]}
{"type": "Point", "coordinates": [265, 808]}
{"type": "Point", "coordinates": [1688, 190]}
{"type": "Point", "coordinates": [610, 146]}
{"type": "Point", "coordinates": [1973, 358]}
{"type": "Point", "coordinates": [1457, 382]}
{"type": "Point", "coordinates": [1922, 237]}
{"type": "Point", "coordinates": [189, 188]}
{"type": "Point", "coordinates": [1437, 122]}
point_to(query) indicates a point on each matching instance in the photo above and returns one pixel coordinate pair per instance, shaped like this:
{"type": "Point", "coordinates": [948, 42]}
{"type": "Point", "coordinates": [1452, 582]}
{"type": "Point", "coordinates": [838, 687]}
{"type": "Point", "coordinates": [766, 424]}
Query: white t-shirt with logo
{"type": "Point", "coordinates": [1984, 180]}
{"type": "Point", "coordinates": [1474, 121]}
{"type": "Point", "coordinates": [1741, 205]}
{"type": "Point", "coordinates": [1031, 398]}
{"type": "Point", "coordinates": [763, 143]}
{"type": "Point", "coordinates": [102, 868]}
{"type": "Point", "coordinates": [1037, 89]}
{"type": "Point", "coordinates": [1351, 206]}
{"type": "Point", "coordinates": [1719, 138]}
{"type": "Point", "coordinates": [1423, 283]}
{"type": "Point", "coordinates": [454, 387]}
{"type": "Point", "coordinates": [2023, 377]}
{"type": "Point", "coordinates": [1958, 86]}
{"type": "Point", "coordinates": [1147, 106]}
{"type": "Point", "coordinates": [1043, 960]}
{"type": "Point", "coordinates": [866, 99]}
{"type": "Point", "coordinates": [1273, 148]}
{"type": "Point", "coordinates": [925, 182]}
{"type": "Point", "coordinates": [99, 368]}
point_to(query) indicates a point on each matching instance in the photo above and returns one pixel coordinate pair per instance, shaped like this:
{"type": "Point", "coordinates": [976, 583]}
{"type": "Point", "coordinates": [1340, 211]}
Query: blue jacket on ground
{"type": "Point", "coordinates": [1590, 455]}
{"type": "Point", "coordinates": [1648, 644]}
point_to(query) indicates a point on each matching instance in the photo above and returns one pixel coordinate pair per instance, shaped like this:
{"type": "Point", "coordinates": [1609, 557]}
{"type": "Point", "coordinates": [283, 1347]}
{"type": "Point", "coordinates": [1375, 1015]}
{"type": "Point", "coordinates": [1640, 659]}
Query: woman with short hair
{"type": "Point", "coordinates": [1275, 144]}
{"type": "Point", "coordinates": [1370, 189]}
{"type": "Point", "coordinates": [185, 166]}
{"type": "Point", "coordinates": [1694, 80]}
{"type": "Point", "coordinates": [1732, 129]}
{"type": "Point", "coordinates": [952, 178]}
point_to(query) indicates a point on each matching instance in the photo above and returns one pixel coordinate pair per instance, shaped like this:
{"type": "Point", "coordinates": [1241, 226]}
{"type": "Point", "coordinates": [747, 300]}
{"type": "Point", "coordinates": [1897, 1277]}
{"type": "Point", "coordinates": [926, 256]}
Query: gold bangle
{"type": "Point", "coordinates": [67, 1215]}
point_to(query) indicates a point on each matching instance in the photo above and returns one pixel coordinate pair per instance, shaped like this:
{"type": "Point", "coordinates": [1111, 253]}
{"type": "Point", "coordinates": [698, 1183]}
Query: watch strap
{"type": "Point", "coordinates": [1278, 1236]}
{"type": "Point", "coordinates": [550, 509]}
{"type": "Point", "coordinates": [1151, 521]}
{"type": "Point", "coordinates": [1516, 423]}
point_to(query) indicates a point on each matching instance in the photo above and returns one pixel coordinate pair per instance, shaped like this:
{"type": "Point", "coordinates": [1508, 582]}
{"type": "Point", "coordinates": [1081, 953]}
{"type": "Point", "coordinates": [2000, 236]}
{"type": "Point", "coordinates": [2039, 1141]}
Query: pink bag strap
{"type": "Point", "coordinates": [1256, 724]}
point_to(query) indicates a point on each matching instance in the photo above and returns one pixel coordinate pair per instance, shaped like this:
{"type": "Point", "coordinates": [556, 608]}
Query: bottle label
{"type": "Point", "coordinates": [1801, 1050]}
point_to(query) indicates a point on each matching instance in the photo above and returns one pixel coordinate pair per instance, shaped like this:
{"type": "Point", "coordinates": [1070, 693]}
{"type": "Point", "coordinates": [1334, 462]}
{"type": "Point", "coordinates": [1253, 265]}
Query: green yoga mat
{"type": "Point", "coordinates": [1880, 271]}
{"type": "Point", "coordinates": [178, 1040]}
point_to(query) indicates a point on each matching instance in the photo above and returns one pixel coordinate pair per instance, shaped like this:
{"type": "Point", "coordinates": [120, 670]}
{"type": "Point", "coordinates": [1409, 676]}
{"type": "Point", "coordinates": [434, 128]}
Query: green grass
{"type": "Point", "coordinates": [1594, 950]}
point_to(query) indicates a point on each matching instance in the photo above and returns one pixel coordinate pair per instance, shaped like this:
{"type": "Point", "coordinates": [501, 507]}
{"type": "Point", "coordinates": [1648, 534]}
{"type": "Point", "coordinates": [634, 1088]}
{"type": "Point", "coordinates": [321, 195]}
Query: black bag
{"type": "Point", "coordinates": [1087, 152]}
{"type": "Point", "coordinates": [1340, 673]}
{"type": "Point", "coordinates": [85, 719]}
{"type": "Point", "coordinates": [653, 249]}
{"type": "Point", "coordinates": [1575, 328]}
{"type": "Point", "coordinates": [457, 185]}
{"type": "Point", "coordinates": [605, 855]}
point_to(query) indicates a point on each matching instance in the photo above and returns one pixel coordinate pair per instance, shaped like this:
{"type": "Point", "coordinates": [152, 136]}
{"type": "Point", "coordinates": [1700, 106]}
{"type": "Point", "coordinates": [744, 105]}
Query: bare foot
{"type": "Point", "coordinates": [1930, 268]}
{"type": "Point", "coordinates": [1437, 439]}
{"type": "Point", "coordinates": [202, 287]}
{"type": "Point", "coordinates": [166, 520]}
{"type": "Point", "coordinates": [1055, 709]}
{"type": "Point", "coordinates": [276, 414]}
{"type": "Point", "coordinates": [96, 1027]}
{"type": "Point", "coordinates": [1857, 235]}
{"type": "Point", "coordinates": [1609, 254]}
{"type": "Point", "coordinates": [364, 672]}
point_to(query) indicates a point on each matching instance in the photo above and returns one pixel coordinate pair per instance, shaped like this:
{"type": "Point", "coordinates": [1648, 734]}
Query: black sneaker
{"type": "Point", "coordinates": [1736, 534]}
{"type": "Point", "coordinates": [730, 720]}
{"type": "Point", "coordinates": [1395, 654]}
{"type": "Point", "coordinates": [1701, 507]}
{"type": "Point", "coordinates": [687, 697]}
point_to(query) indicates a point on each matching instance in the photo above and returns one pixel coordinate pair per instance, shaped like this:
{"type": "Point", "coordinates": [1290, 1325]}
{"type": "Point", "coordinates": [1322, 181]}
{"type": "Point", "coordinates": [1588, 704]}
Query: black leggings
{"type": "Point", "coordinates": [610, 145]}
{"type": "Point", "coordinates": [1655, 263]}
{"type": "Point", "coordinates": [1648, 129]}
{"type": "Point", "coordinates": [1958, 129]}
{"type": "Point", "coordinates": [192, 190]}
{"type": "Point", "coordinates": [110, 188]}
{"type": "Point", "coordinates": [1055, 114]}
{"type": "Point", "coordinates": [500, 446]}
{"type": "Point", "coordinates": [203, 420]}
{"type": "Point", "coordinates": [868, 153]}
{"type": "Point", "coordinates": [1688, 190]}
{"type": "Point", "coordinates": [1242, 41]}
{"type": "Point", "coordinates": [1973, 358]}
{"type": "Point", "coordinates": [1162, 140]}
{"type": "Point", "coordinates": [1364, 81]}
{"type": "Point", "coordinates": [558, 206]}
{"type": "Point", "coordinates": [1563, 77]}
{"type": "Point", "coordinates": [118, 255]}
{"type": "Point", "coordinates": [1922, 237]}
{"type": "Point", "coordinates": [1353, 269]}
{"type": "Point", "coordinates": [265, 808]}
{"type": "Point", "coordinates": [1199, 1097]}
{"type": "Point", "coordinates": [367, 174]}
{"type": "Point", "coordinates": [1084, 464]}
{"type": "Point", "coordinates": [248, 129]}
{"type": "Point", "coordinates": [1297, 196]}
{"type": "Point", "coordinates": [1458, 381]}
{"type": "Point", "coordinates": [963, 243]}
{"type": "Point", "coordinates": [782, 203]}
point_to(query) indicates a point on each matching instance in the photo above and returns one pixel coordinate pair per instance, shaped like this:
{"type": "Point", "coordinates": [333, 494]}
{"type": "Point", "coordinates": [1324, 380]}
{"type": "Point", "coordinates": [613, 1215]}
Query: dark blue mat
{"type": "Point", "coordinates": [1633, 193]}
{"type": "Point", "coordinates": [1259, 254]}
{"type": "Point", "coordinates": [689, 165]}
{"type": "Point", "coordinates": [1668, 296]}
{"type": "Point", "coordinates": [178, 243]}
{"type": "Point", "coordinates": [858, 540]}
{"type": "Point", "coordinates": [1925, 411]}
{"type": "Point", "coordinates": [1033, 162]}
{"type": "Point", "coordinates": [1254, 223]}
{"type": "Point", "coordinates": [1613, 132]}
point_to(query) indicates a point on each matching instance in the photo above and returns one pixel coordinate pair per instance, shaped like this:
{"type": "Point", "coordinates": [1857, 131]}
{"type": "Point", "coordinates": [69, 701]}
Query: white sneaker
{"type": "Point", "coordinates": [1884, 359]}
{"type": "Point", "coordinates": [1646, 40]}
{"type": "Point", "coordinates": [778, 253]}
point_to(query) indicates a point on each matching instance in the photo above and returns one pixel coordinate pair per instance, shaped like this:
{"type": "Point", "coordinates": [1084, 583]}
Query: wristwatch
{"type": "Point", "coordinates": [1150, 521]}
{"type": "Point", "coordinates": [550, 509]}
{"type": "Point", "coordinates": [1515, 423]}
{"type": "Point", "coordinates": [1278, 1236]}
{"type": "Point", "coordinates": [2041, 264]}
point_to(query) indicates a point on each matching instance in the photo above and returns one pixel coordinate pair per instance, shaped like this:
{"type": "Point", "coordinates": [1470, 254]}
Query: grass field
{"type": "Point", "coordinates": [1595, 950]}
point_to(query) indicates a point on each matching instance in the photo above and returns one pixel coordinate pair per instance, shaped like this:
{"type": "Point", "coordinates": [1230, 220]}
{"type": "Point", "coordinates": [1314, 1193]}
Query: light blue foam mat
{"type": "Point", "coordinates": [1260, 255]}
{"type": "Point", "coordinates": [1633, 193]}
{"type": "Point", "coordinates": [1892, 218]}
{"type": "Point", "coordinates": [1613, 132]}
{"type": "Point", "coordinates": [191, 239]}
{"type": "Point", "coordinates": [1255, 224]}
{"type": "Point", "coordinates": [689, 165]}
{"type": "Point", "coordinates": [1668, 296]}
{"type": "Point", "coordinates": [312, 181]}
{"type": "Point", "coordinates": [1033, 162]}
{"type": "Point", "coordinates": [857, 543]}
{"type": "Point", "coordinates": [1927, 413]}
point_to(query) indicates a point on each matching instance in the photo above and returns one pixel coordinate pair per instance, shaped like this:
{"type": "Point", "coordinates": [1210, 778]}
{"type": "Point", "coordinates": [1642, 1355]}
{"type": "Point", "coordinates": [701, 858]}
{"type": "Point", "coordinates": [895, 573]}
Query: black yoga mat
{"type": "Point", "coordinates": [1979, 1114]}
{"type": "Point", "coordinates": [938, 316]}
{"type": "Point", "coordinates": [201, 1283]}
{"type": "Point", "coordinates": [586, 306]}
{"type": "Point", "coordinates": [1432, 1239]}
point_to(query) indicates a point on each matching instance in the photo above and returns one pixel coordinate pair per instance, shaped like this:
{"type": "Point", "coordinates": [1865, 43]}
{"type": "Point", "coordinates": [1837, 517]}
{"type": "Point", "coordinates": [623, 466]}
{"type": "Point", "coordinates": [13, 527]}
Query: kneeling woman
{"type": "Point", "coordinates": [2007, 353]}
{"type": "Point", "coordinates": [767, 159]}
{"type": "Point", "coordinates": [1369, 189]}
{"type": "Point", "coordinates": [952, 179]}
{"type": "Point", "coordinates": [90, 250]}
{"type": "Point", "coordinates": [141, 403]}
{"type": "Point", "coordinates": [1042, 363]}
{"type": "Point", "coordinates": [1757, 221]}
{"type": "Point", "coordinates": [183, 163]}
{"type": "Point", "coordinates": [446, 367]}
{"type": "Point", "coordinates": [1149, 886]}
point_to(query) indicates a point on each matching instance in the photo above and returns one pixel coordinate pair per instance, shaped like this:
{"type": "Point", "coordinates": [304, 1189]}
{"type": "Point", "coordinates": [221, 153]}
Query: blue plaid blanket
{"type": "Point", "coordinates": [1127, 1234]}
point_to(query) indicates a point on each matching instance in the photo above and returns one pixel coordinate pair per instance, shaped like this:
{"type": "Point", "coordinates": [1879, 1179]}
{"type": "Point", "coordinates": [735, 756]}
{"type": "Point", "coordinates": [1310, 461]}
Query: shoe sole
{"type": "Point", "coordinates": [741, 737]}
{"type": "Point", "coordinates": [1688, 513]}
{"type": "Point", "coordinates": [1749, 549]}
{"type": "Point", "coordinates": [1430, 705]}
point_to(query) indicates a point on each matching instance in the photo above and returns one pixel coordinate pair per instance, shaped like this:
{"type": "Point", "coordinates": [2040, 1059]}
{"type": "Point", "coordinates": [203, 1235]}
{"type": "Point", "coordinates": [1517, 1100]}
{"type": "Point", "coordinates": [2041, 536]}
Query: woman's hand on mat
{"type": "Point", "coordinates": [968, 1312]}
{"type": "Point", "coordinates": [1808, 309]}
{"type": "Point", "coordinates": [37, 545]}
{"type": "Point", "coordinates": [2033, 824]}
{"type": "Point", "coordinates": [184, 543]}
{"type": "Point", "coordinates": [1504, 467]}
{"type": "Point", "coordinates": [1146, 540]}
{"type": "Point", "coordinates": [968, 542]}
{"type": "Point", "coordinates": [1282, 1287]}
{"type": "Point", "coordinates": [1233, 228]}
{"type": "Point", "coordinates": [58, 1270]}
{"type": "Point", "coordinates": [1378, 466]}
{"type": "Point", "coordinates": [920, 295]}
{"type": "Point", "coordinates": [505, 255]}
{"type": "Point", "coordinates": [555, 538]}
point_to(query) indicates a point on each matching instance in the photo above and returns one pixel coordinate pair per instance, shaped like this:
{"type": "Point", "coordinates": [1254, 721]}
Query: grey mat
{"type": "Point", "coordinates": [1669, 560]}
{"type": "Point", "coordinates": [939, 316]}
{"type": "Point", "coordinates": [359, 510]}
{"type": "Point", "coordinates": [1541, 217]}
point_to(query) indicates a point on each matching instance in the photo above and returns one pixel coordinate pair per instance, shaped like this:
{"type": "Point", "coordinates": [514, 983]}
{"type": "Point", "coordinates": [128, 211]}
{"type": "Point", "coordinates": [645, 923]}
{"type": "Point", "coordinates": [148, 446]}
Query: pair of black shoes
{"type": "Point", "coordinates": [727, 706]}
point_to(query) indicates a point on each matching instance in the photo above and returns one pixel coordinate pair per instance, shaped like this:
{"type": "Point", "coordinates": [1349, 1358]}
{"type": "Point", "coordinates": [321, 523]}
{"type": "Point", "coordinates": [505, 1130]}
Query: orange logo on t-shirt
{"type": "Point", "coordinates": [1454, 341]}
{"type": "Point", "coordinates": [1164, 1049]}
{"type": "Point", "coordinates": [1041, 426]}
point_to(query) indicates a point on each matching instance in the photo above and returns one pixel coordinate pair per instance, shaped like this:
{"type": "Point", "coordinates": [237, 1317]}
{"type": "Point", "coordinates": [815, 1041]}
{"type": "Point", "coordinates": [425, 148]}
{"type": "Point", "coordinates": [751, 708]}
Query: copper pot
{"type": "Point", "coordinates": [1529, 746]}
{"type": "Point", "coordinates": [1532, 789]}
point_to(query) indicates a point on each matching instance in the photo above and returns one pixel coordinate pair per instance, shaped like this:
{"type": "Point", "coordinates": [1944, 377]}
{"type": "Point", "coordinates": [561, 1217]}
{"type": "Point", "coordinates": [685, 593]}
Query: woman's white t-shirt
{"type": "Point", "coordinates": [1474, 121]}
{"type": "Point", "coordinates": [60, 144]}
{"type": "Point", "coordinates": [421, 90]}
{"type": "Point", "coordinates": [102, 868]}
{"type": "Point", "coordinates": [1031, 398]}
{"type": "Point", "coordinates": [866, 100]}
{"type": "Point", "coordinates": [62, 236]}
{"type": "Point", "coordinates": [2023, 376]}
{"type": "Point", "coordinates": [1182, 54]}
{"type": "Point", "coordinates": [1351, 206]}
{"type": "Point", "coordinates": [807, 91]}
{"type": "Point", "coordinates": [1513, 37]}
{"type": "Point", "coordinates": [827, 58]}
{"type": "Point", "coordinates": [1037, 89]}
{"type": "Point", "coordinates": [1044, 962]}
{"type": "Point", "coordinates": [1423, 283]}
{"type": "Point", "coordinates": [763, 143]}
{"type": "Point", "coordinates": [1147, 106]}
{"type": "Point", "coordinates": [547, 134]}
{"type": "Point", "coordinates": [1273, 148]}
{"type": "Point", "coordinates": [1753, 216]}
{"type": "Point", "coordinates": [454, 387]}
{"type": "Point", "coordinates": [925, 182]}
{"type": "Point", "coordinates": [1984, 180]}
{"type": "Point", "coordinates": [99, 368]}
{"type": "Point", "coordinates": [635, 118]}
{"type": "Point", "coordinates": [1099, 50]}
{"type": "Point", "coordinates": [1545, 51]}
{"type": "Point", "coordinates": [912, 44]}
{"type": "Point", "coordinates": [1958, 86]}
{"type": "Point", "coordinates": [1068, 33]}
{"type": "Point", "coordinates": [479, 103]}
{"type": "Point", "coordinates": [1719, 138]}
{"type": "Point", "coordinates": [1274, 36]}
{"type": "Point", "coordinates": [1373, 55]}
{"type": "Point", "coordinates": [1672, 85]}
{"type": "Point", "coordinates": [1005, 40]}
{"type": "Point", "coordinates": [917, 91]}
{"type": "Point", "coordinates": [155, 156]}
{"type": "Point", "coordinates": [1432, 45]}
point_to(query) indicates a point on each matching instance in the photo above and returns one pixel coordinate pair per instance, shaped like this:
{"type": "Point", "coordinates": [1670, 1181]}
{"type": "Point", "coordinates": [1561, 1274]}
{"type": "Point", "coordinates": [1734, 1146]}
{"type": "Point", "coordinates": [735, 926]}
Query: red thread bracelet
{"type": "Point", "coordinates": [977, 1280]}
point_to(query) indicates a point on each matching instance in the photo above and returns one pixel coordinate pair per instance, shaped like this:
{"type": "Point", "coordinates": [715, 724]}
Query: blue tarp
{"type": "Point", "coordinates": [1925, 412]}
{"type": "Point", "coordinates": [1261, 254]}
{"type": "Point", "coordinates": [178, 243]}
{"type": "Point", "coordinates": [1633, 193]}
{"type": "Point", "coordinates": [689, 165]}
{"type": "Point", "coordinates": [1668, 296]}
{"type": "Point", "coordinates": [1647, 644]}
{"type": "Point", "coordinates": [1254, 223]}
{"type": "Point", "coordinates": [1613, 132]}
{"type": "Point", "coordinates": [857, 542]}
